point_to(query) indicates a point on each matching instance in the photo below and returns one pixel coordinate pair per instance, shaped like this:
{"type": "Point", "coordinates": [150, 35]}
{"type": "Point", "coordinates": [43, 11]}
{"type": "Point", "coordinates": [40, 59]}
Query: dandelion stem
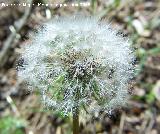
{"type": "Point", "coordinates": [76, 113]}
{"type": "Point", "coordinates": [76, 121]}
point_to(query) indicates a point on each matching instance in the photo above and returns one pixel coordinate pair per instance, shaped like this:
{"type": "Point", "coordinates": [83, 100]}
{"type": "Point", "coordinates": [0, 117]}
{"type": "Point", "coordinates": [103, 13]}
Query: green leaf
{"type": "Point", "coordinates": [150, 98]}
{"type": "Point", "coordinates": [94, 5]}
{"type": "Point", "coordinates": [11, 125]}
{"type": "Point", "coordinates": [117, 3]}
{"type": "Point", "coordinates": [154, 51]}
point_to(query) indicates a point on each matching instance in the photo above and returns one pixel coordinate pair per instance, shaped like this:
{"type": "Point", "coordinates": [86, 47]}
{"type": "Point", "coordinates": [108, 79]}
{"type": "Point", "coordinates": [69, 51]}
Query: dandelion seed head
{"type": "Point", "coordinates": [78, 55]}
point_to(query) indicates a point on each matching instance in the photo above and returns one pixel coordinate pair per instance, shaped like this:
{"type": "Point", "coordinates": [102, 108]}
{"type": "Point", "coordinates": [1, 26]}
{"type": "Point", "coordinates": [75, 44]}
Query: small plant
{"type": "Point", "coordinates": [12, 125]}
{"type": "Point", "coordinates": [78, 64]}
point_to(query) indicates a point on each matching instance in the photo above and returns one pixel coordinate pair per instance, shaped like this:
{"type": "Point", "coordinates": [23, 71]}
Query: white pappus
{"type": "Point", "coordinates": [78, 62]}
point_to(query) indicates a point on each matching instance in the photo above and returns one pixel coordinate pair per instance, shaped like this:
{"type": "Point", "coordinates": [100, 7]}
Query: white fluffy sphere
{"type": "Point", "coordinates": [78, 62]}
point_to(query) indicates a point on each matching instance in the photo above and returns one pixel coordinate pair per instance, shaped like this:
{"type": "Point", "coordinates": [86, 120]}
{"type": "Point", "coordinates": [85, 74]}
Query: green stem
{"type": "Point", "coordinates": [76, 113]}
{"type": "Point", "coordinates": [76, 121]}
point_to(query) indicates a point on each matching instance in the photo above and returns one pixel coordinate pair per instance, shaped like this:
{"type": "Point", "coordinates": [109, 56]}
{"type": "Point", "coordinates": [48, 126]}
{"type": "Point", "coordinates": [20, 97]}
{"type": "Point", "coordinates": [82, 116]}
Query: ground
{"type": "Point", "coordinates": [21, 111]}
